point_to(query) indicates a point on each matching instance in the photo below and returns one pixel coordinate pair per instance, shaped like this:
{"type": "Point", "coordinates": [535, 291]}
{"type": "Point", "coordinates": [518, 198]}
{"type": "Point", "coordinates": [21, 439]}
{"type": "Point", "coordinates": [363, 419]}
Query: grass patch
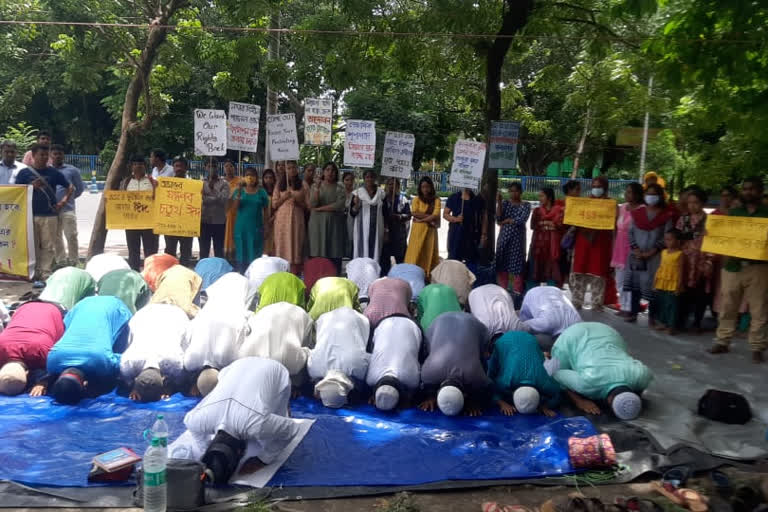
{"type": "Point", "coordinates": [402, 502]}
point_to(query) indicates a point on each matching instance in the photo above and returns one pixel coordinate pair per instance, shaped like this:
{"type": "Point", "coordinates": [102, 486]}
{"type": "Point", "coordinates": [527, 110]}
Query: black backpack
{"type": "Point", "coordinates": [725, 407]}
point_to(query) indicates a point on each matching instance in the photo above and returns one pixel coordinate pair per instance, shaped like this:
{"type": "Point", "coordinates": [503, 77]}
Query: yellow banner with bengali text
{"type": "Point", "coordinates": [590, 213]}
{"type": "Point", "coordinates": [17, 235]}
{"type": "Point", "coordinates": [129, 210]}
{"type": "Point", "coordinates": [178, 207]}
{"type": "Point", "coordinates": [741, 237]}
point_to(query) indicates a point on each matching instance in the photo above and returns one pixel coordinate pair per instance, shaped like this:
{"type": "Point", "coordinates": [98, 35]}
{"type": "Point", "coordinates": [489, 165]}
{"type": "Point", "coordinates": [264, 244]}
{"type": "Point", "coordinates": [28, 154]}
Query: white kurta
{"type": "Point", "coordinates": [215, 336]}
{"type": "Point", "coordinates": [396, 345]}
{"type": "Point", "coordinates": [250, 403]}
{"type": "Point", "coordinates": [157, 339]}
{"type": "Point", "coordinates": [456, 275]}
{"type": "Point", "coordinates": [262, 268]}
{"type": "Point", "coordinates": [361, 230]}
{"type": "Point", "coordinates": [546, 310]}
{"type": "Point", "coordinates": [363, 272]}
{"type": "Point", "coordinates": [231, 288]}
{"type": "Point", "coordinates": [282, 332]}
{"type": "Point", "coordinates": [102, 264]}
{"type": "Point", "coordinates": [492, 305]}
{"type": "Point", "coordinates": [342, 339]}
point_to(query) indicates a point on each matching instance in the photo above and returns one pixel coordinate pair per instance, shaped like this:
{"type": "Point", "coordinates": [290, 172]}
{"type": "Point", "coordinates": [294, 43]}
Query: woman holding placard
{"type": "Point", "coordinates": [367, 210]}
{"type": "Point", "coordinates": [327, 224]}
{"type": "Point", "coordinates": [425, 209]}
{"type": "Point", "coordinates": [289, 203]}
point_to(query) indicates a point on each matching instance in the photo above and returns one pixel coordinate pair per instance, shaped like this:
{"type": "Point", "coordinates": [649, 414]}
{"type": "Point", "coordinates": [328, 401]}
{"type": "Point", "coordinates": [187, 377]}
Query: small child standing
{"type": "Point", "coordinates": [668, 284]}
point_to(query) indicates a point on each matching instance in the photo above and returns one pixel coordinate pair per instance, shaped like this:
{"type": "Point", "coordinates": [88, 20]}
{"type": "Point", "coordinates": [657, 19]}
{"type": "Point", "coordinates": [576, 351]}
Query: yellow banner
{"type": "Point", "coordinates": [742, 237]}
{"type": "Point", "coordinates": [129, 210]}
{"type": "Point", "coordinates": [178, 205]}
{"type": "Point", "coordinates": [17, 242]}
{"type": "Point", "coordinates": [590, 213]}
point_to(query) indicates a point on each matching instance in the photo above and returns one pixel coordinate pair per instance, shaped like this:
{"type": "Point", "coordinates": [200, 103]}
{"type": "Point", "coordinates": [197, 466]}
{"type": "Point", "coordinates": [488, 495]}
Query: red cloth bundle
{"type": "Point", "coordinates": [591, 452]}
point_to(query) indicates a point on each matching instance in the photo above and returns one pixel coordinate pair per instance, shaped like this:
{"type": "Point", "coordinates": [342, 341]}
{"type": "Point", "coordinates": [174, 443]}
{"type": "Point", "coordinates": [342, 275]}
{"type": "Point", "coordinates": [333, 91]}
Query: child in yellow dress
{"type": "Point", "coordinates": [668, 284]}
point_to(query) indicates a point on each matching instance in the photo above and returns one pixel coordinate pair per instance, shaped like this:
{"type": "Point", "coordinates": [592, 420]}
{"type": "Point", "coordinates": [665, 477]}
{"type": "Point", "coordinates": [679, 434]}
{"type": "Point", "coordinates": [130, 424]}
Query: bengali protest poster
{"type": "Point", "coordinates": [210, 132]}
{"type": "Point", "coordinates": [397, 156]}
{"type": "Point", "coordinates": [742, 237]}
{"type": "Point", "coordinates": [590, 213]}
{"type": "Point", "coordinates": [360, 143]}
{"type": "Point", "coordinates": [318, 114]}
{"type": "Point", "coordinates": [282, 139]}
{"type": "Point", "coordinates": [502, 153]}
{"type": "Point", "coordinates": [243, 127]}
{"type": "Point", "coordinates": [178, 205]}
{"type": "Point", "coordinates": [129, 210]}
{"type": "Point", "coordinates": [468, 163]}
{"type": "Point", "coordinates": [17, 236]}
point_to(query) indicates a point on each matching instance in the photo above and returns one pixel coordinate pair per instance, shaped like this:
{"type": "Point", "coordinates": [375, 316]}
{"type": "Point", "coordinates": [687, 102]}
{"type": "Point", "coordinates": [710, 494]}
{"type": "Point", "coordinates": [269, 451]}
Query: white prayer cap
{"type": "Point", "coordinates": [387, 397]}
{"type": "Point", "coordinates": [334, 389]}
{"type": "Point", "coordinates": [526, 399]}
{"type": "Point", "coordinates": [450, 400]}
{"type": "Point", "coordinates": [13, 378]}
{"type": "Point", "coordinates": [626, 406]}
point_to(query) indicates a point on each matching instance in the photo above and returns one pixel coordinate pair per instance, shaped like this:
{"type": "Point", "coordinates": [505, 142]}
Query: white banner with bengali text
{"type": "Point", "coordinates": [243, 127]}
{"type": "Point", "coordinates": [397, 156]}
{"type": "Point", "coordinates": [360, 143]}
{"type": "Point", "coordinates": [468, 163]}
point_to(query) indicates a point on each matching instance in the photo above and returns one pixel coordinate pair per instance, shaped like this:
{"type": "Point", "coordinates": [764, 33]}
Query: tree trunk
{"type": "Point", "coordinates": [130, 128]}
{"type": "Point", "coordinates": [582, 141]}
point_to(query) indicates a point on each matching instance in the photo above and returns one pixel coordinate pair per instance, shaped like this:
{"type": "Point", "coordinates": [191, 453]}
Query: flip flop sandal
{"type": "Point", "coordinates": [676, 476]}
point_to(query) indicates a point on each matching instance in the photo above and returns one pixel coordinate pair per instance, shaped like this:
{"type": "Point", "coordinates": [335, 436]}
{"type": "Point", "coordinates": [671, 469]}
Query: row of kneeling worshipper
{"type": "Point", "coordinates": [393, 340]}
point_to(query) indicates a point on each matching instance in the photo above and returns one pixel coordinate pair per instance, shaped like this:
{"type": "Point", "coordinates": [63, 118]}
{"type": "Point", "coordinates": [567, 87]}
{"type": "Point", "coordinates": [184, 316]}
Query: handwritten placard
{"type": "Point", "coordinates": [243, 127]}
{"type": "Point", "coordinates": [318, 114]}
{"type": "Point", "coordinates": [741, 237]}
{"type": "Point", "coordinates": [178, 205]}
{"type": "Point", "coordinates": [503, 148]}
{"type": "Point", "coordinates": [210, 132]}
{"type": "Point", "coordinates": [590, 213]}
{"type": "Point", "coordinates": [360, 143]}
{"type": "Point", "coordinates": [468, 163]}
{"type": "Point", "coordinates": [397, 156]}
{"type": "Point", "coordinates": [129, 210]}
{"type": "Point", "coordinates": [17, 238]}
{"type": "Point", "coordinates": [282, 140]}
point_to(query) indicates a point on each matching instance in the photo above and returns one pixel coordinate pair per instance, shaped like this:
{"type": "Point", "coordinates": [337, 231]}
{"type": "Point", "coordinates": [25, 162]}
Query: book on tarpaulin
{"type": "Point", "coordinates": [114, 460]}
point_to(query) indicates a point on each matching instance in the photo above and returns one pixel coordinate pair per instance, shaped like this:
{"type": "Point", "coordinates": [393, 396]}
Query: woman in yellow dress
{"type": "Point", "coordinates": [229, 234]}
{"type": "Point", "coordinates": [422, 246]}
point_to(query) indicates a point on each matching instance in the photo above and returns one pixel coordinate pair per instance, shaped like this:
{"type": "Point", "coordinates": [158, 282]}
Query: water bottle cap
{"type": "Point", "coordinates": [155, 441]}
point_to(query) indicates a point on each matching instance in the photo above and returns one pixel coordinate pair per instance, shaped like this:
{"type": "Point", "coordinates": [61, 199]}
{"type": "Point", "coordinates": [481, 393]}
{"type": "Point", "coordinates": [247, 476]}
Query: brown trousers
{"type": "Point", "coordinates": [751, 284]}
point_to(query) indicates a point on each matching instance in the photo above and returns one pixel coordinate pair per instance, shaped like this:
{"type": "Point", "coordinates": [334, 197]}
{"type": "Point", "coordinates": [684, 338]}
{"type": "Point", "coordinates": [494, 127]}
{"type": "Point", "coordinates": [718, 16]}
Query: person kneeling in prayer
{"type": "Point", "coordinates": [181, 287]}
{"type": "Point", "coordinates": [67, 286]}
{"type": "Point", "coordinates": [590, 360]}
{"type": "Point", "coordinates": [516, 368]}
{"type": "Point", "coordinates": [282, 287]}
{"type": "Point", "coordinates": [394, 370]}
{"type": "Point", "coordinates": [339, 362]}
{"type": "Point", "coordinates": [153, 364]}
{"type": "Point", "coordinates": [546, 310]}
{"type": "Point", "coordinates": [331, 293]}
{"type": "Point", "coordinates": [86, 360]}
{"type": "Point", "coordinates": [433, 301]}
{"type": "Point", "coordinates": [388, 296]}
{"type": "Point", "coordinates": [247, 414]}
{"type": "Point", "coordinates": [493, 306]}
{"type": "Point", "coordinates": [453, 368]}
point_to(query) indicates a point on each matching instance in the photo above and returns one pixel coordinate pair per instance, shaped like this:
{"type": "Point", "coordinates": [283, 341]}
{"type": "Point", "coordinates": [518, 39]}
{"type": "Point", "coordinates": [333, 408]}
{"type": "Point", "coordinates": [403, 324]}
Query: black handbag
{"type": "Point", "coordinates": [725, 407]}
{"type": "Point", "coordinates": [186, 487]}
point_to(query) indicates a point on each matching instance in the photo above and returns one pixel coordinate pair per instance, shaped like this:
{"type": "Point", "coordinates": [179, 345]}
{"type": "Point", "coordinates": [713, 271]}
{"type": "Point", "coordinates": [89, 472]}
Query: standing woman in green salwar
{"type": "Point", "coordinates": [249, 200]}
{"type": "Point", "coordinates": [327, 223]}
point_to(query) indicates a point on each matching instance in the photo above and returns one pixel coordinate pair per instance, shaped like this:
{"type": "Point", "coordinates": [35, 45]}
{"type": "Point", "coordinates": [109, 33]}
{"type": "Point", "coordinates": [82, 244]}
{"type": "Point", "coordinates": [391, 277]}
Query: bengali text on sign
{"type": "Point", "coordinates": [590, 213]}
{"type": "Point", "coordinates": [741, 237]}
{"type": "Point", "coordinates": [178, 205]}
{"type": "Point", "coordinates": [17, 239]}
{"type": "Point", "coordinates": [360, 143]}
{"type": "Point", "coordinates": [317, 121]}
{"type": "Point", "coordinates": [129, 210]}
{"type": "Point", "coordinates": [397, 156]}
{"type": "Point", "coordinates": [243, 127]}
{"type": "Point", "coordinates": [503, 148]}
{"type": "Point", "coordinates": [468, 163]}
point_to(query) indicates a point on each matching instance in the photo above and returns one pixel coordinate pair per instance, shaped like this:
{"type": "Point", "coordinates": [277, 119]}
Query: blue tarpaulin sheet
{"type": "Point", "coordinates": [49, 444]}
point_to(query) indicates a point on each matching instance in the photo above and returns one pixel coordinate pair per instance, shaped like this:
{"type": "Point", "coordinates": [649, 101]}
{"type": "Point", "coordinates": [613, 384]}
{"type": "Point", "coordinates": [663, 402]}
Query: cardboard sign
{"type": "Point", "coordinates": [591, 213]}
{"type": "Point", "coordinates": [318, 114]}
{"type": "Point", "coordinates": [243, 127]}
{"type": "Point", "coordinates": [360, 143]}
{"type": "Point", "coordinates": [468, 163]}
{"type": "Point", "coordinates": [741, 237]}
{"type": "Point", "coordinates": [503, 147]}
{"type": "Point", "coordinates": [17, 236]}
{"type": "Point", "coordinates": [397, 157]}
{"type": "Point", "coordinates": [178, 206]}
{"type": "Point", "coordinates": [282, 140]}
{"type": "Point", "coordinates": [129, 210]}
{"type": "Point", "coordinates": [210, 132]}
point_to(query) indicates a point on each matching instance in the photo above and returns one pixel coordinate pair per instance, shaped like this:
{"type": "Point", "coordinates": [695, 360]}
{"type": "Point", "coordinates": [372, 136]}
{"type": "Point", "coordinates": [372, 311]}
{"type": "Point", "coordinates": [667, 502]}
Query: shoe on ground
{"type": "Point", "coordinates": [757, 357]}
{"type": "Point", "coordinates": [718, 349]}
{"type": "Point", "coordinates": [38, 284]}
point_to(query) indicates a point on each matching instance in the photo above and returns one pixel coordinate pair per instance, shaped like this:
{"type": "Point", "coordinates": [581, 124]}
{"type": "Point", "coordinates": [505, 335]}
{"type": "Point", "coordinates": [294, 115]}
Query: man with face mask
{"type": "Point", "coordinates": [743, 278]}
{"type": "Point", "coordinates": [214, 215]}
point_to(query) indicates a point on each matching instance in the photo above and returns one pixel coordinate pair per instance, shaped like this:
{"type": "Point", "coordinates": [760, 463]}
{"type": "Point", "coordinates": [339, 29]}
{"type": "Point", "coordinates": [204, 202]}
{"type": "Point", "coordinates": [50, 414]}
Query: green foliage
{"type": "Point", "coordinates": [22, 134]}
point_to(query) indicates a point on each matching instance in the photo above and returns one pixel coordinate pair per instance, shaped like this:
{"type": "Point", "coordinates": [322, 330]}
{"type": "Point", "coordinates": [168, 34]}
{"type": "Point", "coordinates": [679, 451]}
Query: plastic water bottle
{"type": "Point", "coordinates": [155, 487]}
{"type": "Point", "coordinates": [160, 432]}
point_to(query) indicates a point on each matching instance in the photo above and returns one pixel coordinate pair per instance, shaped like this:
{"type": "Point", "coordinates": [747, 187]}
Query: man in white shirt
{"type": "Point", "coordinates": [456, 275]}
{"type": "Point", "coordinates": [160, 168]}
{"type": "Point", "coordinates": [546, 310]}
{"type": "Point", "coordinates": [492, 305]}
{"type": "Point", "coordinates": [138, 181]}
{"type": "Point", "coordinates": [9, 167]}
{"type": "Point", "coordinates": [394, 372]}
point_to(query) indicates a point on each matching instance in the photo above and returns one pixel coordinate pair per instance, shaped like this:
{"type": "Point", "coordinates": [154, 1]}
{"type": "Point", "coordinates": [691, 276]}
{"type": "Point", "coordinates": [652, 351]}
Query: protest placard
{"type": "Point", "coordinates": [741, 237]}
{"type": "Point", "coordinates": [129, 210]}
{"type": "Point", "coordinates": [360, 143]}
{"type": "Point", "coordinates": [243, 127]}
{"type": "Point", "coordinates": [503, 148]}
{"type": "Point", "coordinates": [17, 236]}
{"type": "Point", "coordinates": [397, 157]}
{"type": "Point", "coordinates": [210, 132]}
{"type": "Point", "coordinates": [468, 163]}
{"type": "Point", "coordinates": [178, 205]}
{"type": "Point", "coordinates": [590, 213]}
{"type": "Point", "coordinates": [282, 140]}
{"type": "Point", "coordinates": [318, 114]}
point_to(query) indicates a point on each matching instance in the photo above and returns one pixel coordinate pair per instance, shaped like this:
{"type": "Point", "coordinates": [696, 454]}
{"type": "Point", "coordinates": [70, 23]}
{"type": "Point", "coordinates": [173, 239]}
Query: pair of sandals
{"type": "Point", "coordinates": [579, 503]}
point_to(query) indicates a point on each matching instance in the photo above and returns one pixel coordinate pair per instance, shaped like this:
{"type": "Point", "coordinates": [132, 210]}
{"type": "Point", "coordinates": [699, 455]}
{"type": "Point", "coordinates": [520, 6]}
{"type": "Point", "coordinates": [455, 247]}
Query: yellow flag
{"type": "Point", "coordinates": [129, 210]}
{"type": "Point", "coordinates": [741, 237]}
{"type": "Point", "coordinates": [178, 206]}
{"type": "Point", "coordinates": [17, 238]}
{"type": "Point", "coordinates": [590, 213]}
